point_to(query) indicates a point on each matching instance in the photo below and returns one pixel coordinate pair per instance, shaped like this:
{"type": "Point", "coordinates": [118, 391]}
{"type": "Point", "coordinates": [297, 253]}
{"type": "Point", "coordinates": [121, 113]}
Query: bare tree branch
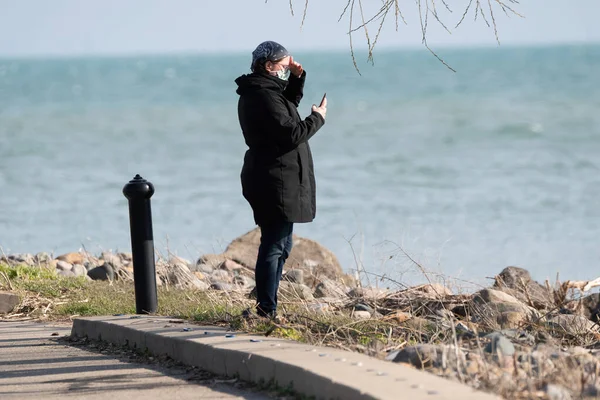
{"type": "Point", "coordinates": [425, 8]}
{"type": "Point", "coordinates": [304, 14]}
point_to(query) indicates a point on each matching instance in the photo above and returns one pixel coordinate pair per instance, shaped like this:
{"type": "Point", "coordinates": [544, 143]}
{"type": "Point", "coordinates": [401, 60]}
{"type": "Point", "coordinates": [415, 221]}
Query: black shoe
{"type": "Point", "coordinates": [270, 314]}
{"type": "Point", "coordinates": [248, 314]}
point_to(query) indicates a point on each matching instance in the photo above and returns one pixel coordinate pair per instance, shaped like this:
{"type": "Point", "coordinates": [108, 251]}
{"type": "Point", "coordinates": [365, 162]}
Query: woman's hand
{"type": "Point", "coordinates": [296, 68]}
{"type": "Point", "coordinates": [322, 109]}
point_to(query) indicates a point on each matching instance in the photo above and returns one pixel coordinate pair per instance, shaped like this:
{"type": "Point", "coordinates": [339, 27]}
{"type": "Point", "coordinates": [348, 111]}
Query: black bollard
{"type": "Point", "coordinates": [138, 191]}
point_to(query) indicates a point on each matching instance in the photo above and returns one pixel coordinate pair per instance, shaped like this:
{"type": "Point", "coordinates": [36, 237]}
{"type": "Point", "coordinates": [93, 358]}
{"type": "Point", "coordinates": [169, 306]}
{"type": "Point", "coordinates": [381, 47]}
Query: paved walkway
{"type": "Point", "coordinates": [35, 364]}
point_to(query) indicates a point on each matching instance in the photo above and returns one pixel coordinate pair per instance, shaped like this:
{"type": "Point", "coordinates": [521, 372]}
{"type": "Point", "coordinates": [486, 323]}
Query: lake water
{"type": "Point", "coordinates": [468, 172]}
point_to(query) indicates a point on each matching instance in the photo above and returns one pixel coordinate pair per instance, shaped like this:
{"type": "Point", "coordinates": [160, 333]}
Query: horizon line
{"type": "Point", "coordinates": [336, 50]}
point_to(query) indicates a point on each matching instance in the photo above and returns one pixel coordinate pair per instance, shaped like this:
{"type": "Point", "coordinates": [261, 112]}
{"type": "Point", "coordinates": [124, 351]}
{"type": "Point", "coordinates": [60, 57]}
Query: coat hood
{"type": "Point", "coordinates": [254, 81]}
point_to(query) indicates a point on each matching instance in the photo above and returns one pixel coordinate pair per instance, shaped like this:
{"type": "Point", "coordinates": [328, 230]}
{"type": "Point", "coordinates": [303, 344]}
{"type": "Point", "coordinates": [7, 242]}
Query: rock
{"type": "Point", "coordinates": [591, 390]}
{"type": "Point", "coordinates": [571, 324]}
{"type": "Point", "coordinates": [557, 392]}
{"type": "Point", "coordinates": [42, 258]}
{"type": "Point", "coordinates": [306, 254]}
{"type": "Point", "coordinates": [22, 259]}
{"type": "Point", "coordinates": [433, 290]}
{"type": "Point", "coordinates": [361, 314]}
{"type": "Point", "coordinates": [512, 319]}
{"type": "Point", "coordinates": [211, 261]}
{"type": "Point", "coordinates": [425, 356]}
{"type": "Point", "coordinates": [295, 276]}
{"type": "Point", "coordinates": [399, 317]}
{"type": "Point", "coordinates": [519, 336]}
{"type": "Point", "coordinates": [204, 268]}
{"type": "Point", "coordinates": [89, 266]}
{"type": "Point", "coordinates": [330, 288]}
{"type": "Point", "coordinates": [363, 307]}
{"type": "Point", "coordinates": [230, 266]}
{"type": "Point", "coordinates": [102, 273]}
{"type": "Point", "coordinates": [63, 266]}
{"type": "Point", "coordinates": [180, 276]}
{"type": "Point", "coordinates": [65, 273]}
{"type": "Point", "coordinates": [79, 270]}
{"type": "Point", "coordinates": [295, 291]}
{"type": "Point", "coordinates": [507, 314]}
{"type": "Point", "coordinates": [221, 275]}
{"type": "Point", "coordinates": [589, 306]}
{"type": "Point", "coordinates": [72, 258]}
{"type": "Point", "coordinates": [368, 293]}
{"type": "Point", "coordinates": [226, 287]}
{"type": "Point", "coordinates": [319, 308]}
{"type": "Point", "coordinates": [420, 325]}
{"type": "Point", "coordinates": [111, 258]}
{"type": "Point", "coordinates": [487, 296]}
{"type": "Point", "coordinates": [244, 281]}
{"type": "Point", "coordinates": [499, 345]}
{"type": "Point", "coordinates": [125, 257]}
{"type": "Point", "coordinates": [179, 260]}
{"type": "Point", "coordinates": [518, 283]}
{"type": "Point", "coordinates": [8, 302]}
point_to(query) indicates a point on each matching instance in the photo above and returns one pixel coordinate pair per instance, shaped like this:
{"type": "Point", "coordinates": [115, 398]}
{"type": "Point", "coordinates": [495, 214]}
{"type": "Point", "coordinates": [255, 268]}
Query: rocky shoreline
{"type": "Point", "coordinates": [518, 338]}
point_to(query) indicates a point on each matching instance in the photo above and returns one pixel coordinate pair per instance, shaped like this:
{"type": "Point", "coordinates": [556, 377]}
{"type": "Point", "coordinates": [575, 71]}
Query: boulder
{"type": "Point", "coordinates": [20, 259]}
{"type": "Point", "coordinates": [72, 258]}
{"type": "Point", "coordinates": [114, 259]}
{"type": "Point", "coordinates": [222, 286]}
{"type": "Point", "coordinates": [244, 281]}
{"type": "Point", "coordinates": [499, 346]}
{"type": "Point", "coordinates": [8, 302]}
{"type": "Point", "coordinates": [361, 314]}
{"type": "Point", "coordinates": [63, 266]}
{"type": "Point", "coordinates": [65, 273]}
{"type": "Point", "coordinates": [230, 266]}
{"type": "Point", "coordinates": [487, 296]}
{"type": "Point", "coordinates": [518, 283]}
{"type": "Point", "coordinates": [494, 308]}
{"type": "Point", "coordinates": [42, 258]}
{"type": "Point", "coordinates": [221, 275]}
{"type": "Point", "coordinates": [294, 276]}
{"type": "Point", "coordinates": [425, 356]}
{"type": "Point", "coordinates": [306, 254]}
{"type": "Point", "coordinates": [557, 392]}
{"type": "Point", "coordinates": [330, 288]}
{"type": "Point", "coordinates": [571, 324]}
{"type": "Point", "coordinates": [180, 276]}
{"type": "Point", "coordinates": [209, 261]}
{"type": "Point", "coordinates": [368, 293]}
{"type": "Point", "coordinates": [588, 306]}
{"type": "Point", "coordinates": [79, 270]}
{"type": "Point", "coordinates": [291, 291]}
{"type": "Point", "coordinates": [125, 257]}
{"type": "Point", "coordinates": [102, 273]}
{"type": "Point", "coordinates": [433, 290]}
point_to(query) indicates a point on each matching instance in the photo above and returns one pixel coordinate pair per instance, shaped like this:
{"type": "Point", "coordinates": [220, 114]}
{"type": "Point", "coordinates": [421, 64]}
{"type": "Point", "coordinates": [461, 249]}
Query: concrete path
{"type": "Point", "coordinates": [35, 364]}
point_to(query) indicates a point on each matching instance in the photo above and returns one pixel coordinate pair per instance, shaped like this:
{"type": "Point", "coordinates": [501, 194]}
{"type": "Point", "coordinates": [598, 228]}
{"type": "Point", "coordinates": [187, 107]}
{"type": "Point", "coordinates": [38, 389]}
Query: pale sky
{"type": "Point", "coordinates": [72, 27]}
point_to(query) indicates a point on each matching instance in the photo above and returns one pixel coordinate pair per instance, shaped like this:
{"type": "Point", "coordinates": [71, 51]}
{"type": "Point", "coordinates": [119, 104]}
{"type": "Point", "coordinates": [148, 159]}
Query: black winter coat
{"type": "Point", "coordinates": [278, 177]}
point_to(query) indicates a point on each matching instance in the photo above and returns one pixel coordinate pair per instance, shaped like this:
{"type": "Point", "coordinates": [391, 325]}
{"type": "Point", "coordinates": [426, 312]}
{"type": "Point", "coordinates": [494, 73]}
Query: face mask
{"type": "Point", "coordinates": [283, 74]}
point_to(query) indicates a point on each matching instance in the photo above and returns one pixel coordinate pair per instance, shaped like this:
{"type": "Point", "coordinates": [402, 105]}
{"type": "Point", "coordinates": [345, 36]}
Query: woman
{"type": "Point", "coordinates": [277, 177]}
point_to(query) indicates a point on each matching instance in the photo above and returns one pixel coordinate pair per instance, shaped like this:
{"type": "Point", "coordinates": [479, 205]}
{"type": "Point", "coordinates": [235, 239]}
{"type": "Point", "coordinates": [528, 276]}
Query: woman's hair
{"type": "Point", "coordinates": [261, 66]}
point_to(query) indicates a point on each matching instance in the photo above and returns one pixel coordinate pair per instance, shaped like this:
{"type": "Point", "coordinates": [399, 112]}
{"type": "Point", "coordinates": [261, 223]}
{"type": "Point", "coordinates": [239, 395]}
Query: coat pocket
{"type": "Point", "coordinates": [300, 169]}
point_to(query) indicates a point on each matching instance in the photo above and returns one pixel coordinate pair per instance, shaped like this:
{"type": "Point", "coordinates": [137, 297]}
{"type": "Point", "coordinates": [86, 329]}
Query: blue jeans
{"type": "Point", "coordinates": [275, 247]}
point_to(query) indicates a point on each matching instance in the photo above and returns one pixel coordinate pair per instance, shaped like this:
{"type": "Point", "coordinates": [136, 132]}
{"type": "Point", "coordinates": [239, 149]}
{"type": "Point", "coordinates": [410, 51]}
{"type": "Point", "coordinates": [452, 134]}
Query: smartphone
{"type": "Point", "coordinates": [323, 99]}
